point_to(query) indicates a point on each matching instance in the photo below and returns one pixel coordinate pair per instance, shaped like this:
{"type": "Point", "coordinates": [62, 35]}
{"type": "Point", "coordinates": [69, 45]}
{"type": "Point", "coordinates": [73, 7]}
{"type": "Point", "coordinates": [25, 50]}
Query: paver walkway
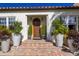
{"type": "Point", "coordinates": [36, 48]}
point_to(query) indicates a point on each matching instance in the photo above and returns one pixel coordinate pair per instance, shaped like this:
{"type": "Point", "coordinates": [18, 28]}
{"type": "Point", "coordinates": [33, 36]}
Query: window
{"type": "Point", "coordinates": [6, 21]}
{"type": "Point", "coordinates": [63, 18]}
{"type": "Point", "coordinates": [3, 21]}
{"type": "Point", "coordinates": [69, 21]}
{"type": "Point", "coordinates": [11, 20]}
{"type": "Point", "coordinates": [72, 20]}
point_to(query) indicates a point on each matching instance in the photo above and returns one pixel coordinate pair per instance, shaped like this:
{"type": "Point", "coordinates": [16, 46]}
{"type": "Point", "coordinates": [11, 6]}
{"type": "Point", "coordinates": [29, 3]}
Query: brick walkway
{"type": "Point", "coordinates": [36, 48]}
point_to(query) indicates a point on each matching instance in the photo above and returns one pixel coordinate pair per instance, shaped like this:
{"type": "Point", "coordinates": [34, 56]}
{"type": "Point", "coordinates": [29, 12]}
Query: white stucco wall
{"type": "Point", "coordinates": [22, 16]}
{"type": "Point", "coordinates": [19, 17]}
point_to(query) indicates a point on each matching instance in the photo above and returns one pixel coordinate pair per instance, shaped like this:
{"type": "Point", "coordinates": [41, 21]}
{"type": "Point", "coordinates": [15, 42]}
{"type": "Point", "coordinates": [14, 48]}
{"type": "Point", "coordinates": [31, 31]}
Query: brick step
{"type": "Point", "coordinates": [37, 41]}
{"type": "Point", "coordinates": [36, 44]}
{"type": "Point", "coordinates": [35, 48]}
{"type": "Point", "coordinates": [36, 38]}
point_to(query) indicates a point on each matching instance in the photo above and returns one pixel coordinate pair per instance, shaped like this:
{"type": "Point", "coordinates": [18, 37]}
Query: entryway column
{"type": "Point", "coordinates": [48, 31]}
{"type": "Point", "coordinates": [23, 19]}
{"type": "Point", "coordinates": [26, 27]}
{"type": "Point", "coordinates": [50, 18]}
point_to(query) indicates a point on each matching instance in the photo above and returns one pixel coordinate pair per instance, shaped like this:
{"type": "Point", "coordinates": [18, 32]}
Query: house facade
{"type": "Point", "coordinates": [37, 18]}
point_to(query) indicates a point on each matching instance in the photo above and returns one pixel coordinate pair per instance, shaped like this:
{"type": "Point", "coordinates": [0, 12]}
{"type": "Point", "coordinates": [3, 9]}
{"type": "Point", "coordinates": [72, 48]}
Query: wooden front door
{"type": "Point", "coordinates": [36, 28]}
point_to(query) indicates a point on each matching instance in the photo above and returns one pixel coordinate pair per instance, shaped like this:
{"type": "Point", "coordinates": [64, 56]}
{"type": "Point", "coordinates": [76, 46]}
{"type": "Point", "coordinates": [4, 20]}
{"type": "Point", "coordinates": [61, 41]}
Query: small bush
{"type": "Point", "coordinates": [16, 27]}
{"type": "Point", "coordinates": [59, 27]}
{"type": "Point", "coordinates": [4, 32]}
{"type": "Point", "coordinates": [30, 30]}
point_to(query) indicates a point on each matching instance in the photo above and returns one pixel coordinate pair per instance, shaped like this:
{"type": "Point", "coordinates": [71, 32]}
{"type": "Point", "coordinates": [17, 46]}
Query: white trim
{"type": "Point", "coordinates": [7, 22]}
{"type": "Point", "coordinates": [67, 18]}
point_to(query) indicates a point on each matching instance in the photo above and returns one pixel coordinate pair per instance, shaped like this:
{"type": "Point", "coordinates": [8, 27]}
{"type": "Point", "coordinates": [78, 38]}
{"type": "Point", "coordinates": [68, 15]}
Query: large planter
{"type": "Point", "coordinates": [16, 40]}
{"type": "Point", "coordinates": [5, 45]}
{"type": "Point", "coordinates": [53, 38]}
{"type": "Point", "coordinates": [72, 49]}
{"type": "Point", "coordinates": [59, 40]}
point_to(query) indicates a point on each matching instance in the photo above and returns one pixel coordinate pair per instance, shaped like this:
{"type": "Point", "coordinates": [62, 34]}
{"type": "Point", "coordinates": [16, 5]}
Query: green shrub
{"type": "Point", "coordinates": [30, 30]}
{"type": "Point", "coordinates": [2, 27]}
{"type": "Point", "coordinates": [59, 27]}
{"type": "Point", "coordinates": [4, 32]}
{"type": "Point", "coordinates": [43, 30]}
{"type": "Point", "coordinates": [16, 27]}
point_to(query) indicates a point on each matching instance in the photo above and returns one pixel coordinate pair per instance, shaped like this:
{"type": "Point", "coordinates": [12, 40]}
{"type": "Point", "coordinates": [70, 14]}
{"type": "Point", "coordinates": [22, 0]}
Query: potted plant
{"type": "Point", "coordinates": [16, 28]}
{"type": "Point", "coordinates": [5, 35]}
{"type": "Point", "coordinates": [59, 32]}
{"type": "Point", "coordinates": [76, 44]}
{"type": "Point", "coordinates": [73, 40]}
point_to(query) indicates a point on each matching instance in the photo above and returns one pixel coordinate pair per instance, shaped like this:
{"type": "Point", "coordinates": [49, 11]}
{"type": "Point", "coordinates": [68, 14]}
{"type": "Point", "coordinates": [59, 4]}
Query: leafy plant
{"type": "Point", "coordinates": [43, 29]}
{"type": "Point", "coordinates": [16, 27]}
{"type": "Point", "coordinates": [76, 41]}
{"type": "Point", "coordinates": [59, 27]}
{"type": "Point", "coordinates": [72, 34]}
{"type": "Point", "coordinates": [30, 30]}
{"type": "Point", "coordinates": [4, 32]}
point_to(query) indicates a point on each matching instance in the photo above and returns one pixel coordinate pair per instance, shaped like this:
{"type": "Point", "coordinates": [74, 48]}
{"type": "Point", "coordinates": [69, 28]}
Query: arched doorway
{"type": "Point", "coordinates": [36, 28]}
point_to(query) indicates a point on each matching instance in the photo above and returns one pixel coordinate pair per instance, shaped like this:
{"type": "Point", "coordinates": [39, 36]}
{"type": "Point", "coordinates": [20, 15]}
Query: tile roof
{"type": "Point", "coordinates": [36, 5]}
